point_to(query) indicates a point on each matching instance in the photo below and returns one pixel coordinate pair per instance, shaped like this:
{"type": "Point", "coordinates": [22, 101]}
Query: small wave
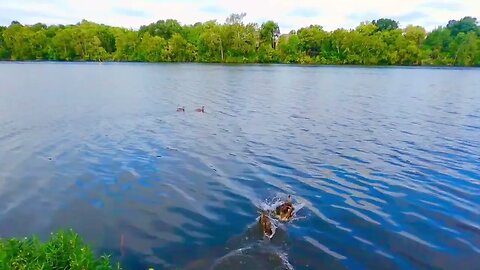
{"type": "Point", "coordinates": [257, 256]}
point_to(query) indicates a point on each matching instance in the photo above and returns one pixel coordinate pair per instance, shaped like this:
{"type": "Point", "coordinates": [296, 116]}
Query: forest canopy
{"type": "Point", "coordinates": [379, 42]}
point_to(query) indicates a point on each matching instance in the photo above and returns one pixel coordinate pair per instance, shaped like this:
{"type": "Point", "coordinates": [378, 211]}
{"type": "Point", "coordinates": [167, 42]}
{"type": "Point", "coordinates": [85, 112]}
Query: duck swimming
{"type": "Point", "coordinates": [181, 109]}
{"type": "Point", "coordinates": [202, 110]}
{"type": "Point", "coordinates": [284, 212]}
{"type": "Point", "coordinates": [266, 225]}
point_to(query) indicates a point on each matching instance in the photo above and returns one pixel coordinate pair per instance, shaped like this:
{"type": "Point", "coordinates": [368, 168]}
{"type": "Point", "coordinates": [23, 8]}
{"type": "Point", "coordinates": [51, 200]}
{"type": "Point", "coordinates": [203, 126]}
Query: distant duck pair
{"type": "Point", "coordinates": [182, 109]}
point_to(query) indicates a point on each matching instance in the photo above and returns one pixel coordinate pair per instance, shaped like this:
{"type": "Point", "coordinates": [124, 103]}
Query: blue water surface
{"type": "Point", "coordinates": [385, 161]}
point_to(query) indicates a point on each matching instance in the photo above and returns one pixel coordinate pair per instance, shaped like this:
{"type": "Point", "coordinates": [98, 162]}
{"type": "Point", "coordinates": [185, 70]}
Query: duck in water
{"type": "Point", "coordinates": [260, 247]}
{"type": "Point", "coordinates": [202, 110]}
{"type": "Point", "coordinates": [285, 211]}
{"type": "Point", "coordinates": [181, 109]}
{"type": "Point", "coordinates": [266, 224]}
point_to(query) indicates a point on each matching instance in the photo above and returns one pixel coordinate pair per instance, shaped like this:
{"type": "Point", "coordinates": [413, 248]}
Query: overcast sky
{"type": "Point", "coordinates": [290, 14]}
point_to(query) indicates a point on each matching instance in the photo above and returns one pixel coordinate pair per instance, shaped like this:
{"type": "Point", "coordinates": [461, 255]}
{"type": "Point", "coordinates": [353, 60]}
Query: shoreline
{"type": "Point", "coordinates": [241, 64]}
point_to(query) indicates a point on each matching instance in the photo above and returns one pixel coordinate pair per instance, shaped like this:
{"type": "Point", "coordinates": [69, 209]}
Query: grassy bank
{"type": "Point", "coordinates": [64, 250]}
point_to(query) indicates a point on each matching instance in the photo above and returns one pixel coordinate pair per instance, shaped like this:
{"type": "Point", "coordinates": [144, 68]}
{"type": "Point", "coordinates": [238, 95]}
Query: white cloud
{"type": "Point", "coordinates": [290, 14]}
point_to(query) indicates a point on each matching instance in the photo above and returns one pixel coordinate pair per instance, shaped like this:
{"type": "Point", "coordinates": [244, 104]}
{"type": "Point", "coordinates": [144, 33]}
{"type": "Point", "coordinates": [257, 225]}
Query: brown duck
{"type": "Point", "coordinates": [284, 212]}
{"type": "Point", "coordinates": [266, 225]}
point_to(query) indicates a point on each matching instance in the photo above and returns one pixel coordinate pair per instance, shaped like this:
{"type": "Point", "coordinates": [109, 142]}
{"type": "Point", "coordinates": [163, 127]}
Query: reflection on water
{"type": "Point", "coordinates": [383, 160]}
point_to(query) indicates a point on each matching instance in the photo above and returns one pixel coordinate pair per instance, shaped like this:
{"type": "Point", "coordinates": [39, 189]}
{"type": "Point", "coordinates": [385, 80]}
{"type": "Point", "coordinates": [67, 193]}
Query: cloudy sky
{"type": "Point", "coordinates": [290, 14]}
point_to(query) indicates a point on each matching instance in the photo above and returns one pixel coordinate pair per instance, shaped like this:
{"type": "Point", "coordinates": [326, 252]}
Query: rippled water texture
{"type": "Point", "coordinates": [385, 162]}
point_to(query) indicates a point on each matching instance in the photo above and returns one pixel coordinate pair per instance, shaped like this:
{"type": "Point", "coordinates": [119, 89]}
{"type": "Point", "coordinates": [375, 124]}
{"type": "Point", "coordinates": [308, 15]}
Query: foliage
{"type": "Point", "coordinates": [165, 29]}
{"type": "Point", "coordinates": [380, 42]}
{"type": "Point", "coordinates": [64, 250]}
{"type": "Point", "coordinates": [385, 24]}
{"type": "Point", "coordinates": [269, 33]}
{"type": "Point", "coordinates": [465, 25]}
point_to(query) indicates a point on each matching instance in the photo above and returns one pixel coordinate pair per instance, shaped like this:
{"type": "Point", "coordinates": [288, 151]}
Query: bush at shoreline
{"type": "Point", "coordinates": [64, 250]}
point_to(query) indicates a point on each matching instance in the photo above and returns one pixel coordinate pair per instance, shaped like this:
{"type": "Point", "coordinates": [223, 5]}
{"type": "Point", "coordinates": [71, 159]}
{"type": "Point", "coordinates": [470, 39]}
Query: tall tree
{"type": "Point", "coordinates": [210, 44]}
{"type": "Point", "coordinates": [464, 49]}
{"type": "Point", "coordinates": [62, 45]}
{"type": "Point", "coordinates": [465, 25]}
{"type": "Point", "coordinates": [180, 50]}
{"type": "Point", "coordinates": [126, 45]}
{"type": "Point", "coordinates": [385, 24]}
{"type": "Point", "coordinates": [163, 28]}
{"type": "Point", "coordinates": [269, 33]}
{"type": "Point", "coordinates": [437, 46]}
{"type": "Point", "coordinates": [17, 39]}
{"type": "Point", "coordinates": [4, 53]}
{"type": "Point", "coordinates": [339, 48]}
{"type": "Point", "coordinates": [107, 38]}
{"type": "Point", "coordinates": [239, 40]}
{"type": "Point", "coordinates": [152, 49]}
{"type": "Point", "coordinates": [289, 47]}
{"type": "Point", "coordinates": [312, 40]}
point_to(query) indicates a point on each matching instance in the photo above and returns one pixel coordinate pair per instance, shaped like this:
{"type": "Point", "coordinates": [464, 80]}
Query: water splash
{"type": "Point", "coordinates": [270, 205]}
{"type": "Point", "coordinates": [256, 256]}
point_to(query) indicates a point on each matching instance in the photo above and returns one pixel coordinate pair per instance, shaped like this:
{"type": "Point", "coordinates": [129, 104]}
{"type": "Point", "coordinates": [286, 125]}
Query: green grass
{"type": "Point", "coordinates": [64, 250]}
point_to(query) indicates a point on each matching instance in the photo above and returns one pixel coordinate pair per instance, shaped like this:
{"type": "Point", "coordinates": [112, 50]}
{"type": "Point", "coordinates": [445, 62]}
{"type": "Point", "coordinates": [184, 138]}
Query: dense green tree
{"type": "Point", "coordinates": [163, 28]}
{"type": "Point", "coordinates": [415, 34]}
{"type": "Point", "coordinates": [239, 40]}
{"type": "Point", "coordinates": [192, 32]}
{"type": "Point", "coordinates": [393, 40]}
{"type": "Point", "coordinates": [39, 46]}
{"type": "Point", "coordinates": [17, 39]}
{"type": "Point", "coordinates": [179, 50]}
{"type": "Point", "coordinates": [385, 24]}
{"type": "Point", "coordinates": [107, 39]}
{"type": "Point", "coordinates": [87, 44]}
{"type": "Point", "coordinates": [289, 47]}
{"type": "Point", "coordinates": [411, 52]}
{"type": "Point", "coordinates": [465, 25]}
{"type": "Point", "coordinates": [464, 49]}
{"type": "Point", "coordinates": [338, 40]}
{"type": "Point", "coordinates": [61, 47]}
{"type": "Point", "coordinates": [364, 45]}
{"type": "Point", "coordinates": [152, 49]}
{"type": "Point", "coordinates": [267, 54]}
{"type": "Point", "coordinates": [269, 33]}
{"type": "Point", "coordinates": [312, 40]}
{"type": "Point", "coordinates": [4, 52]}
{"type": "Point", "coordinates": [380, 42]}
{"type": "Point", "coordinates": [126, 45]}
{"type": "Point", "coordinates": [437, 45]}
{"type": "Point", "coordinates": [210, 43]}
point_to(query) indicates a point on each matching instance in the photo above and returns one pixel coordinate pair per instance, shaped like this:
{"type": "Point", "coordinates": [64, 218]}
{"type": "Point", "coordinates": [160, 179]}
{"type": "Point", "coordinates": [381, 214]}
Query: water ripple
{"type": "Point", "coordinates": [384, 161]}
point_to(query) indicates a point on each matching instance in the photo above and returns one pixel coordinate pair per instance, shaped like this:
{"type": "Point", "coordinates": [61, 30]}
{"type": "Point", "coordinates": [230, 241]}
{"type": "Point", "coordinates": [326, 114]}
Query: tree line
{"type": "Point", "coordinates": [380, 42]}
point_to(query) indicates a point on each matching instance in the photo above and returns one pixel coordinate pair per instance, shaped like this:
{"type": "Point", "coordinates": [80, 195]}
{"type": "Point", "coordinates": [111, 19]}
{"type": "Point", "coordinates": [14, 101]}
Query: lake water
{"type": "Point", "coordinates": [385, 161]}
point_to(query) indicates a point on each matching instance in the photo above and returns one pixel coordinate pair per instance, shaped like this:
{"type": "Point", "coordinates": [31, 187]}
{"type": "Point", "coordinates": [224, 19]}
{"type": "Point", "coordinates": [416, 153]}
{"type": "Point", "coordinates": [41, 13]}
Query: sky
{"type": "Point", "coordinates": [289, 14]}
